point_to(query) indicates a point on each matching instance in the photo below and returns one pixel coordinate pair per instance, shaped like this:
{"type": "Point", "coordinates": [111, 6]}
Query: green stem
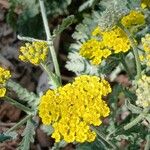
{"type": "Point", "coordinates": [135, 50]}
{"type": "Point", "coordinates": [103, 137]}
{"type": "Point", "coordinates": [147, 146]}
{"type": "Point", "coordinates": [51, 76]}
{"type": "Point", "coordinates": [18, 105]}
{"type": "Point", "coordinates": [137, 119]}
{"type": "Point", "coordinates": [29, 39]}
{"type": "Point", "coordinates": [49, 39]}
{"type": "Point", "coordinates": [16, 126]}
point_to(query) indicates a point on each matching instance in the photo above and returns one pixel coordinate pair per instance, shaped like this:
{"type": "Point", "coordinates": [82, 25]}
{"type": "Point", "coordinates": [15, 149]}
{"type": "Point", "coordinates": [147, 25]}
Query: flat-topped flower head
{"type": "Point", "coordinates": [73, 108]}
{"type": "Point", "coordinates": [116, 40]}
{"type": "Point", "coordinates": [142, 92]}
{"type": "Point", "coordinates": [34, 53]}
{"type": "Point", "coordinates": [4, 76]}
{"type": "Point", "coordinates": [112, 41]}
{"type": "Point", "coordinates": [95, 51]}
{"type": "Point", "coordinates": [134, 18]}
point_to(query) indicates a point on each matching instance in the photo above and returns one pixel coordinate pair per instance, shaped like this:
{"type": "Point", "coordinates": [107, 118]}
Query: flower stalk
{"type": "Point", "coordinates": [18, 105]}
{"type": "Point", "coordinates": [135, 50]}
{"type": "Point", "coordinates": [23, 121]}
{"type": "Point", "coordinates": [50, 40]}
{"type": "Point", "coordinates": [51, 76]}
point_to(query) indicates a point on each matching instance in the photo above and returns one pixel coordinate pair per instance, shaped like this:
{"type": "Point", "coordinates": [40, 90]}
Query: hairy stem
{"type": "Point", "coordinates": [135, 50]}
{"type": "Point", "coordinates": [29, 39]}
{"type": "Point", "coordinates": [51, 76]}
{"type": "Point", "coordinates": [24, 120]}
{"type": "Point", "coordinates": [18, 105]}
{"type": "Point", "coordinates": [50, 40]}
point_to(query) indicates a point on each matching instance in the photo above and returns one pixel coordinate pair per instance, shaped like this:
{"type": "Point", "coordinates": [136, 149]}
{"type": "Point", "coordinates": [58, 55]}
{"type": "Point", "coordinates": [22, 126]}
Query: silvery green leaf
{"type": "Point", "coordinates": [80, 65]}
{"type": "Point", "coordinates": [28, 136]}
{"type": "Point", "coordinates": [86, 4]}
{"type": "Point", "coordinates": [65, 24]}
{"type": "Point", "coordinates": [48, 129]}
{"type": "Point", "coordinates": [134, 109]}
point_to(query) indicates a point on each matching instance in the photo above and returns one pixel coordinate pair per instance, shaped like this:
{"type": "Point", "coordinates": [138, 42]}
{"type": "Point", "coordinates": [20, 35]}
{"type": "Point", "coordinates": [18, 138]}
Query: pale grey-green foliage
{"type": "Point", "coordinates": [77, 63]}
{"type": "Point", "coordinates": [65, 24]}
{"type": "Point", "coordinates": [84, 29]}
{"type": "Point", "coordinates": [114, 11]}
{"type": "Point", "coordinates": [28, 136]}
{"type": "Point", "coordinates": [58, 146]}
{"type": "Point", "coordinates": [87, 4]}
{"type": "Point", "coordinates": [23, 94]}
{"type": "Point", "coordinates": [80, 65]}
{"type": "Point", "coordinates": [48, 129]}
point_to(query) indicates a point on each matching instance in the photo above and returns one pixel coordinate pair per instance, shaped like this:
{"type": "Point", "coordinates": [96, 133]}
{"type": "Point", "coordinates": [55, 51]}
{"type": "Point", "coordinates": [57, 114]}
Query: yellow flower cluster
{"type": "Point", "coordinates": [34, 53]}
{"type": "Point", "coordinates": [71, 109]}
{"type": "Point", "coordinates": [142, 92]}
{"type": "Point", "coordinates": [145, 3]}
{"type": "Point", "coordinates": [134, 18]}
{"type": "Point", "coordinates": [116, 40]}
{"type": "Point", "coordinates": [145, 58]}
{"type": "Point", "coordinates": [4, 76]}
{"type": "Point", "coordinates": [95, 51]}
{"type": "Point", "coordinates": [111, 41]}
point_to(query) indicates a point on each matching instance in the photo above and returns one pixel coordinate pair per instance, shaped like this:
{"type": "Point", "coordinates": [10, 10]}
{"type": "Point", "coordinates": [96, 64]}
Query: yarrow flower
{"type": "Point", "coordinates": [73, 108]}
{"type": "Point", "coordinates": [132, 19]}
{"type": "Point", "coordinates": [113, 41]}
{"type": "Point", "coordinates": [142, 92]}
{"type": "Point", "coordinates": [145, 58]}
{"type": "Point", "coordinates": [4, 76]}
{"type": "Point", "coordinates": [95, 51]}
{"type": "Point", "coordinates": [116, 40]}
{"type": "Point", "coordinates": [145, 3]}
{"type": "Point", "coordinates": [34, 53]}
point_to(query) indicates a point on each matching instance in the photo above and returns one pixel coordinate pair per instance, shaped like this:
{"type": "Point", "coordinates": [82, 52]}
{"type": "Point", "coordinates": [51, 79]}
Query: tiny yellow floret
{"type": "Point", "coordinates": [134, 18]}
{"type": "Point", "coordinates": [34, 53]}
{"type": "Point", "coordinates": [116, 40]}
{"type": "Point", "coordinates": [4, 76]}
{"type": "Point", "coordinates": [73, 108]}
{"type": "Point", "coordinates": [95, 51]}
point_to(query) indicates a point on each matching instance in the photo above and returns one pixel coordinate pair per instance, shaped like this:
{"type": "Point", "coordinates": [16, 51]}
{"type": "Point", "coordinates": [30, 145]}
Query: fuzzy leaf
{"type": "Point", "coordinates": [86, 5]}
{"type": "Point", "coordinates": [134, 109]}
{"type": "Point", "coordinates": [47, 129]}
{"type": "Point", "coordinates": [58, 146]}
{"type": "Point", "coordinates": [23, 94]}
{"type": "Point", "coordinates": [28, 136]}
{"type": "Point", "coordinates": [65, 24]}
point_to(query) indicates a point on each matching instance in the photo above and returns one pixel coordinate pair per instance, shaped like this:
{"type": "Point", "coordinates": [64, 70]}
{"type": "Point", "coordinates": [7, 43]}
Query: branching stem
{"type": "Point", "coordinates": [50, 40]}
